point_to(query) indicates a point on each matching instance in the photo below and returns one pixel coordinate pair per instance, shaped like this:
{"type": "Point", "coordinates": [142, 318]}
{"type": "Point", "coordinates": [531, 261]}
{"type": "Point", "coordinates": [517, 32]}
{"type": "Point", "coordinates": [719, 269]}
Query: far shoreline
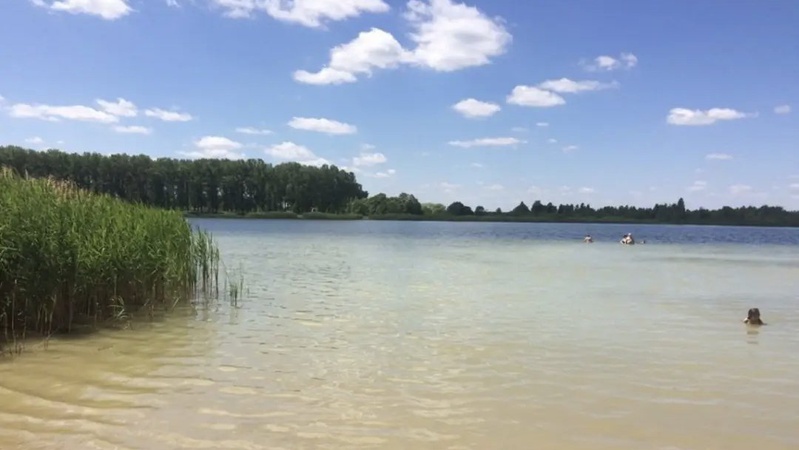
{"type": "Point", "coordinates": [490, 218]}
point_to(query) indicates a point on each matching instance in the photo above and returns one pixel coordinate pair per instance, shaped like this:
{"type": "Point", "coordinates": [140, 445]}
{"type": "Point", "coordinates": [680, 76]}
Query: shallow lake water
{"type": "Point", "coordinates": [397, 335]}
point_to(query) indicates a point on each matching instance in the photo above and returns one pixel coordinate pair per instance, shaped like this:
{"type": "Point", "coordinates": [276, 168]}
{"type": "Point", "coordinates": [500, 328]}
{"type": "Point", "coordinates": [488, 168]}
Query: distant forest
{"type": "Point", "coordinates": [253, 187]}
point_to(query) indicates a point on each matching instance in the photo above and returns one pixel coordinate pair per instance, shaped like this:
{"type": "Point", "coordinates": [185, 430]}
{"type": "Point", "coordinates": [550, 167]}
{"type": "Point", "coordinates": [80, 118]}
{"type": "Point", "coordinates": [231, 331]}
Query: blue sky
{"type": "Point", "coordinates": [489, 102]}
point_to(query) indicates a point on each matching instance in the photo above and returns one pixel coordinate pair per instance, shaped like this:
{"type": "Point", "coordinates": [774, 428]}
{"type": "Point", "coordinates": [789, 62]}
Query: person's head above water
{"type": "Point", "coordinates": [753, 317]}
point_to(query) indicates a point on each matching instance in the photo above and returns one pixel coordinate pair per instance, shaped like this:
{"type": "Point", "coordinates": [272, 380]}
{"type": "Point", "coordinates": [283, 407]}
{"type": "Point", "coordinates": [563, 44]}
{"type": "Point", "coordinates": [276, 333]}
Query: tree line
{"type": "Point", "coordinates": [214, 186]}
{"type": "Point", "coordinates": [674, 213]}
{"type": "Point", "coordinates": [202, 185]}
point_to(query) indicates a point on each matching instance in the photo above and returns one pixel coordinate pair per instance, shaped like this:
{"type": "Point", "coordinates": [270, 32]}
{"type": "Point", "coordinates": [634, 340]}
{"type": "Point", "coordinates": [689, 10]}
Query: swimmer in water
{"type": "Point", "coordinates": [753, 317]}
{"type": "Point", "coordinates": [588, 239]}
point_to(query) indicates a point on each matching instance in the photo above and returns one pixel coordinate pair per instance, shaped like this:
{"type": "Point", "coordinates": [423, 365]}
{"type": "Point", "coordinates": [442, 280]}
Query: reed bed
{"type": "Point", "coordinates": [70, 257]}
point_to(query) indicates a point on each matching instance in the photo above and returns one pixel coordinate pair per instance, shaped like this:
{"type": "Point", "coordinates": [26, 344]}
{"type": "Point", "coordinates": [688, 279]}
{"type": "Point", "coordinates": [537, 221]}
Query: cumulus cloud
{"type": "Point", "coordinates": [448, 36]}
{"type": "Point", "coordinates": [107, 111]}
{"type": "Point", "coordinates": [718, 156]}
{"type": "Point", "coordinates": [542, 124]}
{"type": "Point", "coordinates": [308, 13]}
{"type": "Point", "coordinates": [472, 108]}
{"type": "Point", "coordinates": [697, 117]}
{"type": "Point", "coordinates": [782, 109]}
{"type": "Point", "coordinates": [168, 116]}
{"type": "Point", "coordinates": [119, 108]}
{"type": "Point", "coordinates": [105, 9]}
{"type": "Point", "coordinates": [133, 129]}
{"type": "Point", "coordinates": [552, 141]}
{"type": "Point", "coordinates": [609, 63]}
{"type": "Point", "coordinates": [289, 151]}
{"type": "Point", "coordinates": [58, 113]}
{"type": "Point", "coordinates": [547, 93]}
{"type": "Point", "coordinates": [488, 142]}
{"type": "Point", "coordinates": [369, 159]}
{"type": "Point", "coordinates": [536, 97]}
{"type": "Point", "coordinates": [36, 140]}
{"type": "Point", "coordinates": [215, 147]}
{"type": "Point", "coordinates": [568, 86]}
{"type": "Point", "coordinates": [322, 125]}
{"type": "Point", "coordinates": [253, 131]}
{"type": "Point", "coordinates": [387, 174]}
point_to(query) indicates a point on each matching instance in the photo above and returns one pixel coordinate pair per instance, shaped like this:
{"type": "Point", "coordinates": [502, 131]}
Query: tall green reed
{"type": "Point", "coordinates": [69, 257]}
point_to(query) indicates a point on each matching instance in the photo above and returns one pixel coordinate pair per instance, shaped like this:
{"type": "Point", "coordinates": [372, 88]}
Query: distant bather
{"type": "Point", "coordinates": [753, 317]}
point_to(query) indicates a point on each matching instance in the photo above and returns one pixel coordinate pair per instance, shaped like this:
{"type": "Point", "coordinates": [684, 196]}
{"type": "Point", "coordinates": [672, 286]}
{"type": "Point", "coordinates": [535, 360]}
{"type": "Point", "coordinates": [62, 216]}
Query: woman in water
{"type": "Point", "coordinates": [753, 317]}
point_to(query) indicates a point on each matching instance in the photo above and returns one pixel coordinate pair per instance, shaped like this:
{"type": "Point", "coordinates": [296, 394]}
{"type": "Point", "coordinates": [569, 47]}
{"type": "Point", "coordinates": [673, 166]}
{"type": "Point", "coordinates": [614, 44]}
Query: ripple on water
{"type": "Point", "coordinates": [367, 343]}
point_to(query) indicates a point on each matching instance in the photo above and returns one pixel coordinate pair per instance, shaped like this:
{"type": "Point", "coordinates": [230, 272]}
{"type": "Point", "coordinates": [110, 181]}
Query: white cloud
{"type": "Point", "coordinates": [542, 124]}
{"type": "Point", "coordinates": [322, 125]}
{"type": "Point", "coordinates": [386, 174]}
{"type": "Point", "coordinates": [569, 148]}
{"type": "Point", "coordinates": [56, 113]}
{"type": "Point", "coordinates": [698, 186]}
{"type": "Point", "coordinates": [106, 9]}
{"type": "Point", "coordinates": [452, 36]}
{"type": "Point", "coordinates": [120, 108]}
{"type": "Point", "coordinates": [568, 86]}
{"type": "Point", "coordinates": [696, 117]}
{"type": "Point", "coordinates": [373, 49]}
{"type": "Point", "coordinates": [133, 129]}
{"type": "Point", "coordinates": [168, 116]}
{"type": "Point", "coordinates": [472, 108]}
{"type": "Point", "coordinates": [369, 159]}
{"type": "Point", "coordinates": [495, 187]}
{"type": "Point", "coordinates": [532, 96]}
{"type": "Point", "coordinates": [552, 141]}
{"type": "Point", "coordinates": [738, 189]}
{"type": "Point", "coordinates": [608, 63]}
{"type": "Point", "coordinates": [448, 36]}
{"type": "Point", "coordinates": [488, 142]}
{"type": "Point", "coordinates": [309, 13]}
{"type": "Point", "coordinates": [477, 165]}
{"type": "Point", "coordinates": [718, 156]}
{"type": "Point", "coordinates": [251, 130]}
{"type": "Point", "coordinates": [215, 147]}
{"type": "Point", "coordinates": [782, 109]}
{"type": "Point", "coordinates": [793, 186]}
{"type": "Point", "coordinates": [34, 140]}
{"type": "Point", "coordinates": [289, 151]}
{"type": "Point", "coordinates": [586, 190]}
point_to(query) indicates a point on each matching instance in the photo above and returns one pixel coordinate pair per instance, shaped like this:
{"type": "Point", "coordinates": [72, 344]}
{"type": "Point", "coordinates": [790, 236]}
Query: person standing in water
{"type": "Point", "coordinates": [753, 317]}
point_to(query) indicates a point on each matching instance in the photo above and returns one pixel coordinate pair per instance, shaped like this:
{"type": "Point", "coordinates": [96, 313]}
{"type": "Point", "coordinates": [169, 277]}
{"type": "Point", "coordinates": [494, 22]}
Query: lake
{"type": "Point", "coordinates": [397, 335]}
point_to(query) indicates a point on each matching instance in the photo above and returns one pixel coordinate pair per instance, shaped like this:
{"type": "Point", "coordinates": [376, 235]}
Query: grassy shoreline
{"type": "Point", "coordinates": [504, 218]}
{"type": "Point", "coordinates": [72, 260]}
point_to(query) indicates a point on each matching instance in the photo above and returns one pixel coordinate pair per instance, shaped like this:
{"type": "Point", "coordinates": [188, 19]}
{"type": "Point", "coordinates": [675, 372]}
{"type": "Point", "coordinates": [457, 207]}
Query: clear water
{"type": "Point", "coordinates": [395, 335]}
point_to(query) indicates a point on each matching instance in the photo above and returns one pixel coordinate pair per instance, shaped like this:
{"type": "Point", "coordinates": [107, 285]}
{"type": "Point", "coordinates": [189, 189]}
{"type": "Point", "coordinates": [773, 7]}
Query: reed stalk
{"type": "Point", "coordinates": [70, 257]}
